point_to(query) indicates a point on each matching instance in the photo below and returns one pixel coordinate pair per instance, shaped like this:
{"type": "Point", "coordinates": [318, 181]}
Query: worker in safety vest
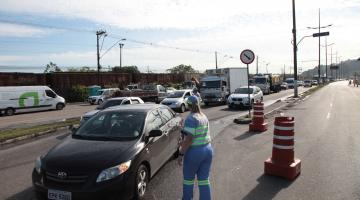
{"type": "Point", "coordinates": [196, 152]}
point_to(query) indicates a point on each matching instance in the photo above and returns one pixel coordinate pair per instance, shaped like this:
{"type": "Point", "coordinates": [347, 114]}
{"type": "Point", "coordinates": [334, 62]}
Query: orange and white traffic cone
{"type": "Point", "coordinates": [282, 163]}
{"type": "Point", "coordinates": [258, 123]}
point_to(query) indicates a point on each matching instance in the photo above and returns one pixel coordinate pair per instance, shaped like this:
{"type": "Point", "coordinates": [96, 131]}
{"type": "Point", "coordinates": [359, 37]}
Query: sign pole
{"type": "Point", "coordinates": [247, 66]}
{"type": "Point", "coordinates": [247, 57]}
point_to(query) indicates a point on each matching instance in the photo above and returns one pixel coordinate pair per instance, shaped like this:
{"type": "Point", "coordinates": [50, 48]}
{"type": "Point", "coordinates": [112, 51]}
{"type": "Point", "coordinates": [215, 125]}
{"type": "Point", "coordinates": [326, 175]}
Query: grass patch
{"type": "Point", "coordinates": [36, 130]}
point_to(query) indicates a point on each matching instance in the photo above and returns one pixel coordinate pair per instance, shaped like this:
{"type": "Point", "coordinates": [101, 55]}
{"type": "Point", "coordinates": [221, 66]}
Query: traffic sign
{"type": "Point", "coordinates": [247, 56]}
{"type": "Point", "coordinates": [321, 34]}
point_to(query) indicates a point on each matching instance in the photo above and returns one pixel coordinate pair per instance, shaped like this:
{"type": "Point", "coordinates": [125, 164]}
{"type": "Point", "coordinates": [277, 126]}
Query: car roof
{"type": "Point", "coordinates": [117, 98]}
{"type": "Point", "coordinates": [251, 86]}
{"type": "Point", "coordinates": [185, 90]}
{"type": "Point", "coordinates": [135, 107]}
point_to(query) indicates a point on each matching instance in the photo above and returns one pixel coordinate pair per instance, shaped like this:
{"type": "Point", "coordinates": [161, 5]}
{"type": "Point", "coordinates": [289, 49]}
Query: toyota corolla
{"type": "Point", "coordinates": [112, 155]}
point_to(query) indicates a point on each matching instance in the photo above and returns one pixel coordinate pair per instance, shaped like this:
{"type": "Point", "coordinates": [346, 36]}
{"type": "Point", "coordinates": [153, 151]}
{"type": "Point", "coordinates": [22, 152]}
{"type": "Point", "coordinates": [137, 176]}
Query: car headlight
{"type": "Point", "coordinates": [38, 164]}
{"type": "Point", "coordinates": [178, 103]}
{"type": "Point", "coordinates": [113, 172]}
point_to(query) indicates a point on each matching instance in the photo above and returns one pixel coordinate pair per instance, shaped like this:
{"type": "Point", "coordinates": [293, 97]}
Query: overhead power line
{"type": "Point", "coordinates": [114, 36]}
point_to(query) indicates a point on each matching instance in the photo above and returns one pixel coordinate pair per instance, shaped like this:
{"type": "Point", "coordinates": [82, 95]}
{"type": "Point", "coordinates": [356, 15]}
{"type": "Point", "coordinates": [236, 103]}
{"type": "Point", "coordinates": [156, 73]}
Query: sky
{"type": "Point", "coordinates": [160, 34]}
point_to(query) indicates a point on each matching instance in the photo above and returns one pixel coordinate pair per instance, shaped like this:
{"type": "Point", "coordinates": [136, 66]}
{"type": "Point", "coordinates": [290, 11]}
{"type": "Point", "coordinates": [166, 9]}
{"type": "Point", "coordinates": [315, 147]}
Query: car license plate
{"type": "Point", "coordinates": [59, 195]}
{"type": "Point", "coordinates": [237, 102]}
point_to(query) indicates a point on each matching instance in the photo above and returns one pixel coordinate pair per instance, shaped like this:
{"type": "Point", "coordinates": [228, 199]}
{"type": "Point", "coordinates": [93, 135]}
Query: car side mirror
{"type": "Point", "coordinates": [73, 129]}
{"type": "Point", "coordinates": [155, 133]}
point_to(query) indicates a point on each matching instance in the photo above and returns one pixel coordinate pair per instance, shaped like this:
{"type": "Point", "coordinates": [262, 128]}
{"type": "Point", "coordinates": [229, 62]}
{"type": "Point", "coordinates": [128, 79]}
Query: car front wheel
{"type": "Point", "coordinates": [9, 111]}
{"type": "Point", "coordinates": [100, 102]}
{"type": "Point", "coordinates": [59, 106]}
{"type": "Point", "coordinates": [142, 179]}
{"type": "Point", "coordinates": [182, 108]}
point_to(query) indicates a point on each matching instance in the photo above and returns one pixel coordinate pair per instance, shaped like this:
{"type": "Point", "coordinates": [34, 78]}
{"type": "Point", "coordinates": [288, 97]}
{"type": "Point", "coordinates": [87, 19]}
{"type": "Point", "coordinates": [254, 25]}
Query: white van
{"type": "Point", "coordinates": [18, 99]}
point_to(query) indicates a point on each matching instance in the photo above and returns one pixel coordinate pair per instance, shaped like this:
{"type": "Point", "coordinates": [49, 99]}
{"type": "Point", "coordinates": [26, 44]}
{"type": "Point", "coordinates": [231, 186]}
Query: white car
{"type": "Point", "coordinates": [117, 101]}
{"type": "Point", "coordinates": [170, 90]}
{"type": "Point", "coordinates": [240, 97]}
{"type": "Point", "coordinates": [177, 100]}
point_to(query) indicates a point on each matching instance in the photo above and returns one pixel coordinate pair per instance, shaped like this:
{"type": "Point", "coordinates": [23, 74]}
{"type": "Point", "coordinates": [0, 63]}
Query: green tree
{"type": "Point", "coordinates": [126, 69]}
{"type": "Point", "coordinates": [182, 69]}
{"type": "Point", "coordinates": [52, 67]}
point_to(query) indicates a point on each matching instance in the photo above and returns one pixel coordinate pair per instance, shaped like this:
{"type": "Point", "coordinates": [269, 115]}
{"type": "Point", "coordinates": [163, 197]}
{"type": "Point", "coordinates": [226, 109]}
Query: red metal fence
{"type": "Point", "coordinates": [63, 81]}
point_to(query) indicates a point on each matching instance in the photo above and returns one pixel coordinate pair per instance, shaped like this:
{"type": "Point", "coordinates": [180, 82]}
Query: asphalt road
{"type": "Point", "coordinates": [28, 119]}
{"type": "Point", "coordinates": [16, 163]}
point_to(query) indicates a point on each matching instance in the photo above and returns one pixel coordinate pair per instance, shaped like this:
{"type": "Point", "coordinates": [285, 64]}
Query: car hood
{"type": "Point", "coordinates": [91, 113]}
{"type": "Point", "coordinates": [240, 95]}
{"type": "Point", "coordinates": [79, 156]}
{"type": "Point", "coordinates": [172, 100]}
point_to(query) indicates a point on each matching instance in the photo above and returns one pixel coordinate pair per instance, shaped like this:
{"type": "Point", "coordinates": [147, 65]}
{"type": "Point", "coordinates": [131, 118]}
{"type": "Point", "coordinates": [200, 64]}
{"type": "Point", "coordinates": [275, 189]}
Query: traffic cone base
{"type": "Point", "coordinates": [289, 171]}
{"type": "Point", "coordinates": [258, 127]}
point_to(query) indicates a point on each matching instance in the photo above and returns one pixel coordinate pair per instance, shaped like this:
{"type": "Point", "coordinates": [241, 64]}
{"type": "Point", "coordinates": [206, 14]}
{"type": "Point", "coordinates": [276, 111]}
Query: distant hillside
{"type": "Point", "coordinates": [348, 68]}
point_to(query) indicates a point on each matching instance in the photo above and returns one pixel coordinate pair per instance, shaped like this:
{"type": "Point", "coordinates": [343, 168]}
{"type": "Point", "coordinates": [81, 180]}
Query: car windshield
{"type": "Point", "coordinates": [210, 84]}
{"type": "Point", "coordinates": [243, 91]}
{"type": "Point", "coordinates": [99, 92]}
{"type": "Point", "coordinates": [260, 80]}
{"type": "Point", "coordinates": [307, 81]}
{"type": "Point", "coordinates": [109, 103]}
{"type": "Point", "coordinates": [113, 125]}
{"type": "Point", "coordinates": [177, 94]}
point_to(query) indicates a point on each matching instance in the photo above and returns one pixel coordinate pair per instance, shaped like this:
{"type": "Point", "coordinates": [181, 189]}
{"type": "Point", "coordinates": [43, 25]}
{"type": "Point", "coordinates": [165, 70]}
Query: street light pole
{"type": "Point", "coordinates": [121, 46]}
{"type": "Point", "coordinates": [294, 49]}
{"type": "Point", "coordinates": [216, 64]}
{"type": "Point", "coordinates": [98, 35]}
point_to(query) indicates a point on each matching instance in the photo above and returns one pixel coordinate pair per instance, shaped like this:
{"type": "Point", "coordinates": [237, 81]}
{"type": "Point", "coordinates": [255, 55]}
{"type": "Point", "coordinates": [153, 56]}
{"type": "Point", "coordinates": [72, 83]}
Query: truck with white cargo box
{"type": "Point", "coordinates": [18, 99]}
{"type": "Point", "coordinates": [218, 84]}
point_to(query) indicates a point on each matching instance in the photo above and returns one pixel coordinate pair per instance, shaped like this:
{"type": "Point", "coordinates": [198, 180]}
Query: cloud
{"type": "Point", "coordinates": [184, 14]}
{"type": "Point", "coordinates": [14, 30]}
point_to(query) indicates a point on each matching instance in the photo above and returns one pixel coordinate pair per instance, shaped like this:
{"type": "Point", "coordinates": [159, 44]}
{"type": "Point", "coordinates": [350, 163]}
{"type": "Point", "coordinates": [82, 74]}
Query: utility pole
{"type": "Point", "coordinates": [319, 34]}
{"type": "Point", "coordinates": [326, 65]}
{"type": "Point", "coordinates": [121, 46]}
{"type": "Point", "coordinates": [216, 64]}
{"type": "Point", "coordinates": [257, 64]}
{"type": "Point", "coordinates": [98, 35]}
{"type": "Point", "coordinates": [284, 74]}
{"type": "Point", "coordinates": [295, 49]}
{"type": "Point", "coordinates": [319, 51]}
{"type": "Point", "coordinates": [331, 64]}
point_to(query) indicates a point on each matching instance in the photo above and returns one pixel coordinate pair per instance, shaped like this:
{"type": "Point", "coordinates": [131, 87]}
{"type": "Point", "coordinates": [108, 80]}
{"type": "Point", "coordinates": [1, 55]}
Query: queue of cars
{"type": "Point", "coordinates": [118, 147]}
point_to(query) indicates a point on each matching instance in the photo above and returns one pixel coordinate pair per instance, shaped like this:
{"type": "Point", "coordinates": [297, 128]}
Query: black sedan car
{"type": "Point", "coordinates": [113, 155]}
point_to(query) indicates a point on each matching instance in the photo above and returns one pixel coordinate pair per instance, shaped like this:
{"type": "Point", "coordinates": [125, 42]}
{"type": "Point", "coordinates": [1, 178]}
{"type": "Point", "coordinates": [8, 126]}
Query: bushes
{"type": "Point", "coordinates": [77, 93]}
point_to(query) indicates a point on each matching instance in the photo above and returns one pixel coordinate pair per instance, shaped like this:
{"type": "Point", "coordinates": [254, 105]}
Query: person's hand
{"type": "Point", "coordinates": [180, 160]}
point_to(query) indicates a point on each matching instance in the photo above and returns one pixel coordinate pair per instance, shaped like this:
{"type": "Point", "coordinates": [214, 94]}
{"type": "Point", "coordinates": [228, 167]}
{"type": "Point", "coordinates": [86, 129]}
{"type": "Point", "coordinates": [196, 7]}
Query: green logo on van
{"type": "Point", "coordinates": [26, 95]}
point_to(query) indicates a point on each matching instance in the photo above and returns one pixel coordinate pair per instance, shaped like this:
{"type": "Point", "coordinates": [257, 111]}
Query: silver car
{"type": "Point", "coordinates": [109, 103]}
{"type": "Point", "coordinates": [177, 100]}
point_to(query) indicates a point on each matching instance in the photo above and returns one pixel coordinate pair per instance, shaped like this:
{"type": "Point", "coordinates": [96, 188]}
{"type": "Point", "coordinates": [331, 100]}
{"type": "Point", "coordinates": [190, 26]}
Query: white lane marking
{"type": "Point", "coordinates": [331, 105]}
{"type": "Point", "coordinates": [328, 115]}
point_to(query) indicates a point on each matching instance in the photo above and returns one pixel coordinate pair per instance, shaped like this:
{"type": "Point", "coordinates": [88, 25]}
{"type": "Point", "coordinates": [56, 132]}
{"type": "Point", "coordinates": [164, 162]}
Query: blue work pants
{"type": "Point", "coordinates": [197, 161]}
